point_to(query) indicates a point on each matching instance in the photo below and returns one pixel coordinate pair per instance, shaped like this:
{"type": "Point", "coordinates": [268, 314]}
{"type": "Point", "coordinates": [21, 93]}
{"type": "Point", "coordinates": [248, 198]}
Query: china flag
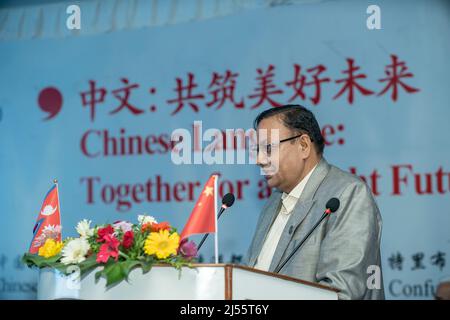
{"type": "Point", "coordinates": [203, 216]}
{"type": "Point", "coordinates": [48, 223]}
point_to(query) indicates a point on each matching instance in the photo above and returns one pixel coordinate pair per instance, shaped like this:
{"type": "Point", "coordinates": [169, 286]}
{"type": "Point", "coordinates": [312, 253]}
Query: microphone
{"type": "Point", "coordinates": [227, 201]}
{"type": "Point", "coordinates": [331, 206]}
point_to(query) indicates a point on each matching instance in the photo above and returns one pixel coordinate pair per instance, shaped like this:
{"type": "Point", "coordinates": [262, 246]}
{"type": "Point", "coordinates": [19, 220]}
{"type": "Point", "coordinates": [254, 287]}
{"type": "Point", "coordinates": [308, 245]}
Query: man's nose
{"type": "Point", "coordinates": [262, 160]}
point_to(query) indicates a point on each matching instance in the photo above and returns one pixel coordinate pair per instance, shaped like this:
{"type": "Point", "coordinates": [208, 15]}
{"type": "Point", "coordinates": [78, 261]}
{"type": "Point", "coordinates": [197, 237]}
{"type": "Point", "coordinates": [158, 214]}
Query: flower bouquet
{"type": "Point", "coordinates": [118, 248]}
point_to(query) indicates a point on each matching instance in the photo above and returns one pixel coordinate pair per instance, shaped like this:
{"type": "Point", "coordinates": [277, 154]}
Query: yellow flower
{"type": "Point", "coordinates": [162, 243]}
{"type": "Point", "coordinates": [50, 248]}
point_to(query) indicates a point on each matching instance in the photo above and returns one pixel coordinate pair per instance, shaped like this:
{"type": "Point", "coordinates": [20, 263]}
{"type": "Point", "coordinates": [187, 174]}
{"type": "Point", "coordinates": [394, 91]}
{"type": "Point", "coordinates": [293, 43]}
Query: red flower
{"type": "Point", "coordinates": [103, 232]}
{"type": "Point", "coordinates": [187, 249]}
{"type": "Point", "coordinates": [109, 249]}
{"type": "Point", "coordinates": [128, 239]}
{"type": "Point", "coordinates": [146, 227]}
{"type": "Point", "coordinates": [155, 227]}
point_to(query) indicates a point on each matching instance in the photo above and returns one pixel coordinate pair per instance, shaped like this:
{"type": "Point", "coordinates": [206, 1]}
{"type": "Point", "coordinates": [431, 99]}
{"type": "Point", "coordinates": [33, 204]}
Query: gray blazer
{"type": "Point", "coordinates": [340, 250]}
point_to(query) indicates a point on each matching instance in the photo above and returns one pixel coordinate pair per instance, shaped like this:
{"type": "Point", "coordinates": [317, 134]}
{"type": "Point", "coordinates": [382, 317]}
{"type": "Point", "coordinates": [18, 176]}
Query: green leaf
{"type": "Point", "coordinates": [88, 264]}
{"type": "Point", "coordinates": [146, 266]}
{"type": "Point", "coordinates": [114, 273]}
{"type": "Point", "coordinates": [38, 261]}
{"type": "Point", "coordinates": [61, 267]}
{"type": "Point", "coordinates": [128, 265]}
{"type": "Point", "coordinates": [98, 275]}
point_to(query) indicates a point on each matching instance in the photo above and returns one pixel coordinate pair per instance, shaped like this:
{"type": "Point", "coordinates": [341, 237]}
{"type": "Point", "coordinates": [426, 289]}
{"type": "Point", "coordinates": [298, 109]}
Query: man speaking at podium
{"type": "Point", "coordinates": [343, 249]}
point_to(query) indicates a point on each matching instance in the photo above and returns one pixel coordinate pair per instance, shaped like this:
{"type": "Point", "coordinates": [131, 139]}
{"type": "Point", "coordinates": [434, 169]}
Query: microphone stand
{"type": "Point", "coordinates": [325, 214]}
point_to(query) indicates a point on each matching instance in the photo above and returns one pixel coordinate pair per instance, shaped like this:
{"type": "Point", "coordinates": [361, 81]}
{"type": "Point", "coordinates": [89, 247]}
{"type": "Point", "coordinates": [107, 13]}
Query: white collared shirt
{"type": "Point", "coordinates": [273, 237]}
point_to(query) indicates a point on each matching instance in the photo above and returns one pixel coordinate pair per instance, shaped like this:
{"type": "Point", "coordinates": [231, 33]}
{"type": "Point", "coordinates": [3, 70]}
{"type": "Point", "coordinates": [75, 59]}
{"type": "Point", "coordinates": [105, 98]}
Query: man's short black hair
{"type": "Point", "coordinates": [299, 119]}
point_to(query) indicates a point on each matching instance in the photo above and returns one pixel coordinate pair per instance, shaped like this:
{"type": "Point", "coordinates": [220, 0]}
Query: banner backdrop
{"type": "Point", "coordinates": [96, 111]}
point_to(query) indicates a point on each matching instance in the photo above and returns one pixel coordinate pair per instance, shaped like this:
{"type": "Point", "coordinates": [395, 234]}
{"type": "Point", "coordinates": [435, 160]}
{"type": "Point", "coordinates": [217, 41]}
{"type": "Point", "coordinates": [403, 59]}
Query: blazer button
{"type": "Point", "coordinates": [291, 229]}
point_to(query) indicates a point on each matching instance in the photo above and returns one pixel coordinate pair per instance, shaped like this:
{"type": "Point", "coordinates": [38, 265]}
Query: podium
{"type": "Point", "coordinates": [202, 282]}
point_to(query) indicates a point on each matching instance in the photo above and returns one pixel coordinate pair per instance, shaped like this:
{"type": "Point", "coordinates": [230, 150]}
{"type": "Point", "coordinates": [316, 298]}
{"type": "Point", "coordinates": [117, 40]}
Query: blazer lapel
{"type": "Point", "coordinates": [269, 214]}
{"type": "Point", "coordinates": [301, 210]}
{"type": "Point", "coordinates": [298, 215]}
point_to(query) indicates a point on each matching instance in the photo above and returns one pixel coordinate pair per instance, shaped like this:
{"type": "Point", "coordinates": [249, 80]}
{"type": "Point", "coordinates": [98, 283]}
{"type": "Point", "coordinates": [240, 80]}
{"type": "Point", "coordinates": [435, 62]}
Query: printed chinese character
{"type": "Point", "coordinates": [3, 261]}
{"type": "Point", "coordinates": [396, 261]}
{"type": "Point", "coordinates": [18, 264]}
{"type": "Point", "coordinates": [213, 259]}
{"type": "Point", "coordinates": [185, 94]}
{"type": "Point", "coordinates": [92, 97]}
{"type": "Point", "coordinates": [395, 72]}
{"type": "Point", "coordinates": [417, 259]}
{"type": "Point", "coordinates": [236, 258]}
{"type": "Point", "coordinates": [266, 88]}
{"type": "Point", "coordinates": [299, 82]}
{"type": "Point", "coordinates": [222, 89]}
{"type": "Point", "coordinates": [124, 98]}
{"type": "Point", "coordinates": [350, 82]}
{"type": "Point", "coordinates": [438, 260]}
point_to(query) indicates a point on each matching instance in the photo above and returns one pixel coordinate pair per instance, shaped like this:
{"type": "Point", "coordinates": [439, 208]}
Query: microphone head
{"type": "Point", "coordinates": [333, 204]}
{"type": "Point", "coordinates": [228, 200]}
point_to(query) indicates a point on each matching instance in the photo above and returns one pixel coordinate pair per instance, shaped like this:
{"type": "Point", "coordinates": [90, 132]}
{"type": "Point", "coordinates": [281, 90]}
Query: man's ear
{"type": "Point", "coordinates": [305, 145]}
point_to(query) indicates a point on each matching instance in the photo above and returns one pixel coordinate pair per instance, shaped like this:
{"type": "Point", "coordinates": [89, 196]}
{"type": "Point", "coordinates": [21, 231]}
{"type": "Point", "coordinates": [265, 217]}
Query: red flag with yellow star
{"type": "Point", "coordinates": [203, 216]}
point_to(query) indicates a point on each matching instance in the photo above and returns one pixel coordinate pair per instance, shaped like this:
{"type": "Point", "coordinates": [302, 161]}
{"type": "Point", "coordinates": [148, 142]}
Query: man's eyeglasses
{"type": "Point", "coordinates": [267, 148]}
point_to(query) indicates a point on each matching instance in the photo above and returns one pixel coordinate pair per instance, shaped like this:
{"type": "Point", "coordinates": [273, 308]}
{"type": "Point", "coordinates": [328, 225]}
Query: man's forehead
{"type": "Point", "coordinates": [272, 126]}
{"type": "Point", "coordinates": [273, 122]}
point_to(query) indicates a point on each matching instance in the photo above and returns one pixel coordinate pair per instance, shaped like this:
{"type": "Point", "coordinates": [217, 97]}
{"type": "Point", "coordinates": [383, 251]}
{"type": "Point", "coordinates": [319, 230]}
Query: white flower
{"type": "Point", "coordinates": [84, 228]}
{"type": "Point", "coordinates": [143, 219]}
{"type": "Point", "coordinates": [123, 225]}
{"type": "Point", "coordinates": [75, 251]}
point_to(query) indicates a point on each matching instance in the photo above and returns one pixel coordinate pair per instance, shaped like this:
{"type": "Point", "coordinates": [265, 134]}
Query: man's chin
{"type": "Point", "coordinates": [271, 181]}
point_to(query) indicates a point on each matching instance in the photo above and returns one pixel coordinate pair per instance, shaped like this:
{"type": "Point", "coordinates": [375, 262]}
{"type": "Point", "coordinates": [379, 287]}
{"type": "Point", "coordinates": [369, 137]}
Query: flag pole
{"type": "Point", "coordinates": [216, 235]}
{"type": "Point", "coordinates": [55, 181]}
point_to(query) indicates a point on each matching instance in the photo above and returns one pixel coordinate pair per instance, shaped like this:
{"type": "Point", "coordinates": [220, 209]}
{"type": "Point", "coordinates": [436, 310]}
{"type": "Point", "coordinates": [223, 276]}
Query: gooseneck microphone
{"type": "Point", "coordinates": [227, 201]}
{"type": "Point", "coordinates": [331, 206]}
